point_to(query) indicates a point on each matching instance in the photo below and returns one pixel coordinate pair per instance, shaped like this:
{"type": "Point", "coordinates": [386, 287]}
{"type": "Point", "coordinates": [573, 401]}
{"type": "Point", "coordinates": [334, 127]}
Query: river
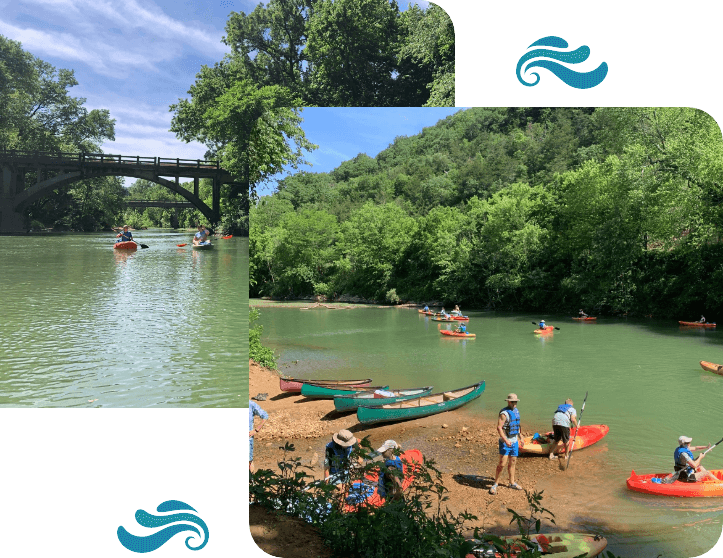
{"type": "Point", "coordinates": [642, 376]}
{"type": "Point", "coordinates": [84, 325]}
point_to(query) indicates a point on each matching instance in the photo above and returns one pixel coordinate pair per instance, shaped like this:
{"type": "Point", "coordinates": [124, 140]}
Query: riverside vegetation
{"type": "Point", "coordinates": [616, 210]}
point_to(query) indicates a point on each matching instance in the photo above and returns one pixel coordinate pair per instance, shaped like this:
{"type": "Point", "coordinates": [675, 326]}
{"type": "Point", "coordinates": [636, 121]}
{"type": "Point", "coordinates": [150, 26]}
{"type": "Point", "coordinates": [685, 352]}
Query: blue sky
{"type": "Point", "coordinates": [132, 57]}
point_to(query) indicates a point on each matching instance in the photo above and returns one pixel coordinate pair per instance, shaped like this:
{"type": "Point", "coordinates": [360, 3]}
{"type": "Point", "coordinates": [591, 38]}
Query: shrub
{"type": "Point", "coordinates": [257, 352]}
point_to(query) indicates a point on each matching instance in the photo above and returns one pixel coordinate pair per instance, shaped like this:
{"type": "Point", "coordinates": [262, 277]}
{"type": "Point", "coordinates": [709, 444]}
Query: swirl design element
{"type": "Point", "coordinates": [578, 80]}
{"type": "Point", "coordinates": [156, 540]}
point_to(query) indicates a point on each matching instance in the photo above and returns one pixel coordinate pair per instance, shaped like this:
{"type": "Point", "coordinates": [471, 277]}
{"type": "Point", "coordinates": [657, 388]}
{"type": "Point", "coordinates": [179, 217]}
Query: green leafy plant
{"type": "Point", "coordinates": [257, 352]}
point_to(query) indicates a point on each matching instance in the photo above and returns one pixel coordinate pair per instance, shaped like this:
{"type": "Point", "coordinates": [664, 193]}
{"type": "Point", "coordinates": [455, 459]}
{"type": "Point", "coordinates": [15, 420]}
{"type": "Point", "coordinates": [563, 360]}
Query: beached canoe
{"type": "Point", "coordinates": [420, 406]}
{"type": "Point", "coordinates": [702, 489]}
{"type": "Point", "coordinates": [426, 313]}
{"type": "Point", "coordinates": [559, 545]}
{"type": "Point", "coordinates": [315, 391]}
{"type": "Point", "coordinates": [128, 245]}
{"type": "Point", "coordinates": [712, 367]}
{"type": "Point", "coordinates": [449, 333]}
{"type": "Point", "coordinates": [697, 324]}
{"type": "Point", "coordinates": [548, 329]}
{"type": "Point", "coordinates": [584, 436]}
{"type": "Point", "coordinates": [380, 397]}
{"type": "Point", "coordinates": [294, 384]}
{"type": "Point", "coordinates": [365, 492]}
{"type": "Point", "coordinates": [588, 319]}
{"type": "Point", "coordinates": [205, 245]}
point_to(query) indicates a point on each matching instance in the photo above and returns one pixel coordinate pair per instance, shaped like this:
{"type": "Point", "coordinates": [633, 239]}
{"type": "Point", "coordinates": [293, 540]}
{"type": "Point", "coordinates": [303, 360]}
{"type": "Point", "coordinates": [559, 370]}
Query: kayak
{"type": "Point", "coordinates": [589, 318]}
{"type": "Point", "coordinates": [436, 319]}
{"type": "Point", "coordinates": [697, 324]}
{"type": "Point", "coordinates": [584, 436]}
{"type": "Point", "coordinates": [456, 333]}
{"type": "Point", "coordinates": [127, 245]}
{"type": "Point", "coordinates": [548, 329]}
{"type": "Point", "coordinates": [426, 313]}
{"type": "Point", "coordinates": [379, 397]}
{"type": "Point", "coordinates": [712, 367]}
{"type": "Point", "coordinates": [205, 245]}
{"type": "Point", "coordinates": [420, 406]}
{"type": "Point", "coordinates": [365, 492]}
{"type": "Point", "coordinates": [294, 384]}
{"type": "Point", "coordinates": [460, 318]}
{"type": "Point", "coordinates": [704, 488]}
{"type": "Point", "coordinates": [314, 391]}
{"type": "Point", "coordinates": [560, 545]}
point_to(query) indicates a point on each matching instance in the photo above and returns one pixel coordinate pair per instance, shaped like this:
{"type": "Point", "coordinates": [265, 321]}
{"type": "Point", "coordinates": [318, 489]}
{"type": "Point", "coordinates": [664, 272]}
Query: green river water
{"type": "Point", "coordinates": [84, 325]}
{"type": "Point", "coordinates": [643, 377]}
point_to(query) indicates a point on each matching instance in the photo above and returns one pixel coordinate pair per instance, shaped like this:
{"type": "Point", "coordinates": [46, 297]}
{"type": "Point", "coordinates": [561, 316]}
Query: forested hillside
{"type": "Point", "coordinates": [616, 210]}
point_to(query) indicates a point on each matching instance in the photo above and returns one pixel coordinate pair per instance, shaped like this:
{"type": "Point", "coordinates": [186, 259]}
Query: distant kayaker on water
{"type": "Point", "coordinates": [582, 314]}
{"type": "Point", "coordinates": [690, 469]}
{"type": "Point", "coordinates": [702, 319]}
{"type": "Point", "coordinates": [125, 236]}
{"type": "Point", "coordinates": [456, 311]}
{"type": "Point", "coordinates": [201, 235]}
{"type": "Point", "coordinates": [565, 416]}
{"type": "Point", "coordinates": [542, 324]}
{"type": "Point", "coordinates": [337, 457]}
{"type": "Point", "coordinates": [426, 308]}
{"type": "Point", "coordinates": [254, 411]}
{"type": "Point", "coordinates": [508, 428]}
{"type": "Point", "coordinates": [462, 328]}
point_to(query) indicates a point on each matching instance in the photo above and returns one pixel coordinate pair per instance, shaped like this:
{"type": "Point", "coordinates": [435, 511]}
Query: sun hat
{"type": "Point", "coordinates": [389, 444]}
{"type": "Point", "coordinates": [684, 440]}
{"type": "Point", "coordinates": [344, 438]}
{"type": "Point", "coordinates": [512, 397]}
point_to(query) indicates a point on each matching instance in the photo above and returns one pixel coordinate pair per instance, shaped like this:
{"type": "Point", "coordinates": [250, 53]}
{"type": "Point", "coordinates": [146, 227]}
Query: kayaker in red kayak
{"type": "Point", "coordinates": [702, 319]}
{"type": "Point", "coordinates": [508, 428]}
{"type": "Point", "coordinates": [689, 467]}
{"type": "Point", "coordinates": [125, 236]}
{"type": "Point", "coordinates": [461, 329]}
{"type": "Point", "coordinates": [565, 416]}
{"type": "Point", "coordinates": [582, 314]}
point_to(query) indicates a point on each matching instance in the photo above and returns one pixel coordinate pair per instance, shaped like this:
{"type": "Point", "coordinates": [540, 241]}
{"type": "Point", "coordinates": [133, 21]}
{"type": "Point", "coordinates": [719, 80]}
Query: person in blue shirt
{"type": "Point", "coordinates": [202, 235]}
{"type": "Point", "coordinates": [125, 236]}
{"type": "Point", "coordinates": [462, 328]}
{"type": "Point", "coordinates": [426, 308]}
{"type": "Point", "coordinates": [390, 484]}
{"type": "Point", "coordinates": [542, 324]}
{"type": "Point", "coordinates": [690, 469]}
{"type": "Point", "coordinates": [564, 418]}
{"type": "Point", "coordinates": [254, 411]}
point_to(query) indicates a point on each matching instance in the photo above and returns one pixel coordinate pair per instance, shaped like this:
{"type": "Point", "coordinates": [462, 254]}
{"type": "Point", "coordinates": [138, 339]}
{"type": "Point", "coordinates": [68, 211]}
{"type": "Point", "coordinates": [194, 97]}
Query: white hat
{"type": "Point", "coordinates": [389, 444]}
{"type": "Point", "coordinates": [344, 438]}
{"type": "Point", "coordinates": [684, 440]}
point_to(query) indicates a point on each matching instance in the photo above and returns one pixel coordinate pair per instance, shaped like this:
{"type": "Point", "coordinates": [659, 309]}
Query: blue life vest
{"type": "Point", "coordinates": [542, 325]}
{"type": "Point", "coordinates": [389, 463]}
{"type": "Point", "coordinates": [339, 459]}
{"type": "Point", "coordinates": [512, 428]}
{"type": "Point", "coordinates": [426, 308]}
{"type": "Point", "coordinates": [676, 455]}
{"type": "Point", "coordinates": [463, 328]}
{"type": "Point", "coordinates": [563, 408]}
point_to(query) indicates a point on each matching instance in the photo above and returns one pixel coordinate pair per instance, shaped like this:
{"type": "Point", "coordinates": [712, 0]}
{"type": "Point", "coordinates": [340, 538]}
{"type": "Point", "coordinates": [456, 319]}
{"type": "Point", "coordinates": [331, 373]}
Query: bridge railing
{"type": "Point", "coordinates": [105, 158]}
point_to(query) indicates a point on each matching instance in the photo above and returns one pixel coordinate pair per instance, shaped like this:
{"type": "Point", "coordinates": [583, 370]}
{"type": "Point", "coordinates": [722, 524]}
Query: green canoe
{"type": "Point", "coordinates": [314, 391]}
{"type": "Point", "coordinates": [376, 398]}
{"type": "Point", "coordinates": [420, 406]}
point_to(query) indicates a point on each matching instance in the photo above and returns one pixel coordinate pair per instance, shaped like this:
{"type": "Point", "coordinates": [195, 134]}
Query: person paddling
{"type": "Point", "coordinates": [201, 236]}
{"type": "Point", "coordinates": [124, 236]}
{"type": "Point", "coordinates": [582, 314]}
{"type": "Point", "coordinates": [508, 428]}
{"type": "Point", "coordinates": [542, 324]}
{"type": "Point", "coordinates": [702, 319]}
{"type": "Point", "coordinates": [462, 329]}
{"type": "Point", "coordinates": [565, 416]}
{"type": "Point", "coordinates": [689, 467]}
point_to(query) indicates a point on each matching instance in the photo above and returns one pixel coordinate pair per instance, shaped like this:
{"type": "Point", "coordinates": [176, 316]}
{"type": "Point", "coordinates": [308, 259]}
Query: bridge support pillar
{"type": "Point", "coordinates": [11, 222]}
{"type": "Point", "coordinates": [216, 200]}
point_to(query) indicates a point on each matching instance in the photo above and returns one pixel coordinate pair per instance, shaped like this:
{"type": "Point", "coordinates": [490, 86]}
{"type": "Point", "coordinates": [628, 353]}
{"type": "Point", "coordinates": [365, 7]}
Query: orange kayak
{"type": "Point", "coordinates": [426, 313]}
{"type": "Point", "coordinates": [586, 319]}
{"type": "Point", "coordinates": [456, 333]}
{"type": "Point", "coordinates": [704, 488]}
{"type": "Point", "coordinates": [548, 329]}
{"type": "Point", "coordinates": [128, 245]}
{"type": "Point", "coordinates": [697, 324]}
{"type": "Point", "coordinates": [584, 436]}
{"type": "Point", "coordinates": [712, 367]}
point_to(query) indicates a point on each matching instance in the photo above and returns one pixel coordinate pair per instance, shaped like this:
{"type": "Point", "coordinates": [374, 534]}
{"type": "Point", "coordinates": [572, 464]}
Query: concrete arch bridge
{"type": "Point", "coordinates": [48, 171]}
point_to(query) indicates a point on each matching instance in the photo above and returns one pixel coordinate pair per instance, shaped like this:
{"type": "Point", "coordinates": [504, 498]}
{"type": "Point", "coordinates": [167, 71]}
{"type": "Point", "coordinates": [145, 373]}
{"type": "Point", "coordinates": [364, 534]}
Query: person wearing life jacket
{"type": "Point", "coordinates": [254, 411]}
{"type": "Point", "coordinates": [565, 416]}
{"type": "Point", "coordinates": [201, 236]}
{"type": "Point", "coordinates": [462, 328]}
{"type": "Point", "coordinates": [702, 319]}
{"type": "Point", "coordinates": [337, 457]}
{"type": "Point", "coordinates": [425, 309]}
{"type": "Point", "coordinates": [542, 324]}
{"type": "Point", "coordinates": [390, 484]}
{"type": "Point", "coordinates": [689, 467]}
{"type": "Point", "coordinates": [508, 428]}
{"type": "Point", "coordinates": [125, 236]}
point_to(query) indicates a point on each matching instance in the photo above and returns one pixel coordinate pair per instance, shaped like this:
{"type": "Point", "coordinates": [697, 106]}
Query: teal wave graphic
{"type": "Point", "coordinates": [578, 80]}
{"type": "Point", "coordinates": [156, 540]}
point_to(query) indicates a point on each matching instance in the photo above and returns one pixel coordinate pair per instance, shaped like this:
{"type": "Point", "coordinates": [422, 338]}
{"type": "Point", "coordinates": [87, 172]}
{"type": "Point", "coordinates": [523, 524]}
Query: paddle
{"type": "Point", "coordinates": [569, 453]}
{"type": "Point", "coordinates": [141, 245]}
{"type": "Point", "coordinates": [535, 323]}
{"type": "Point", "coordinates": [672, 477]}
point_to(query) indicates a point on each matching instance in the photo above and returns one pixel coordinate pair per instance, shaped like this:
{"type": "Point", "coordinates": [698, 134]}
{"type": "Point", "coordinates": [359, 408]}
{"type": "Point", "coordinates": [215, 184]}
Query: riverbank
{"type": "Point", "coordinates": [463, 446]}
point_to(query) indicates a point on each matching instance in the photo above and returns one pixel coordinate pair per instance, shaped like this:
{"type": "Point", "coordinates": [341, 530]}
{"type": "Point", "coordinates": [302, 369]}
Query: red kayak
{"type": "Point", "coordinates": [456, 333]}
{"type": "Point", "coordinates": [584, 436]}
{"type": "Point", "coordinates": [589, 318]}
{"type": "Point", "coordinates": [701, 489]}
{"type": "Point", "coordinates": [548, 329]}
{"type": "Point", "coordinates": [697, 324]}
{"type": "Point", "coordinates": [294, 384]}
{"type": "Point", "coordinates": [127, 245]}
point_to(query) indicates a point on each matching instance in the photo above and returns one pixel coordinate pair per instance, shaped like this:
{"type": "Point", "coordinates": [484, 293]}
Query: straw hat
{"type": "Point", "coordinates": [512, 397]}
{"type": "Point", "coordinates": [344, 438]}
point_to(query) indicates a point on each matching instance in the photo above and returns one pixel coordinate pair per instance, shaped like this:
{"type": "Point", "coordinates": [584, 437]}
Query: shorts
{"type": "Point", "coordinates": [561, 433]}
{"type": "Point", "coordinates": [251, 449]}
{"type": "Point", "coordinates": [513, 451]}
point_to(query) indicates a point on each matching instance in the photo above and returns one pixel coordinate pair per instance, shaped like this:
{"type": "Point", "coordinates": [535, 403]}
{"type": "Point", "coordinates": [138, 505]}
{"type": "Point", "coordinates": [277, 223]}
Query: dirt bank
{"type": "Point", "coordinates": [463, 446]}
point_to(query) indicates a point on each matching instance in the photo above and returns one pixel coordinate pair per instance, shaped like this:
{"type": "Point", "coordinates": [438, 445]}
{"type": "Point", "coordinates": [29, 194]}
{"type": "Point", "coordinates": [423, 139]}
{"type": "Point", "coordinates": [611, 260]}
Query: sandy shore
{"type": "Point", "coordinates": [463, 446]}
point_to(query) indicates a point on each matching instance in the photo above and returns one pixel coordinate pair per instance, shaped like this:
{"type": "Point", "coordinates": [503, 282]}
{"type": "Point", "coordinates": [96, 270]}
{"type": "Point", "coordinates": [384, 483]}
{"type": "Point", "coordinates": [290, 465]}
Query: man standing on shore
{"type": "Point", "coordinates": [565, 417]}
{"type": "Point", "coordinates": [508, 428]}
{"type": "Point", "coordinates": [254, 411]}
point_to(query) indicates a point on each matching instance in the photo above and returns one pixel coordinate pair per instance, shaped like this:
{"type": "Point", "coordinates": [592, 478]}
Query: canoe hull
{"type": "Point", "coordinates": [584, 436]}
{"type": "Point", "coordinates": [703, 489]}
{"type": "Point", "coordinates": [294, 384]}
{"type": "Point", "coordinates": [314, 391]}
{"type": "Point", "coordinates": [352, 402]}
{"type": "Point", "coordinates": [588, 319]}
{"type": "Point", "coordinates": [419, 407]}
{"type": "Point", "coordinates": [712, 367]}
{"type": "Point", "coordinates": [426, 313]}
{"type": "Point", "coordinates": [457, 334]}
{"type": "Point", "coordinates": [129, 245]}
{"type": "Point", "coordinates": [696, 324]}
{"type": "Point", "coordinates": [559, 545]}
